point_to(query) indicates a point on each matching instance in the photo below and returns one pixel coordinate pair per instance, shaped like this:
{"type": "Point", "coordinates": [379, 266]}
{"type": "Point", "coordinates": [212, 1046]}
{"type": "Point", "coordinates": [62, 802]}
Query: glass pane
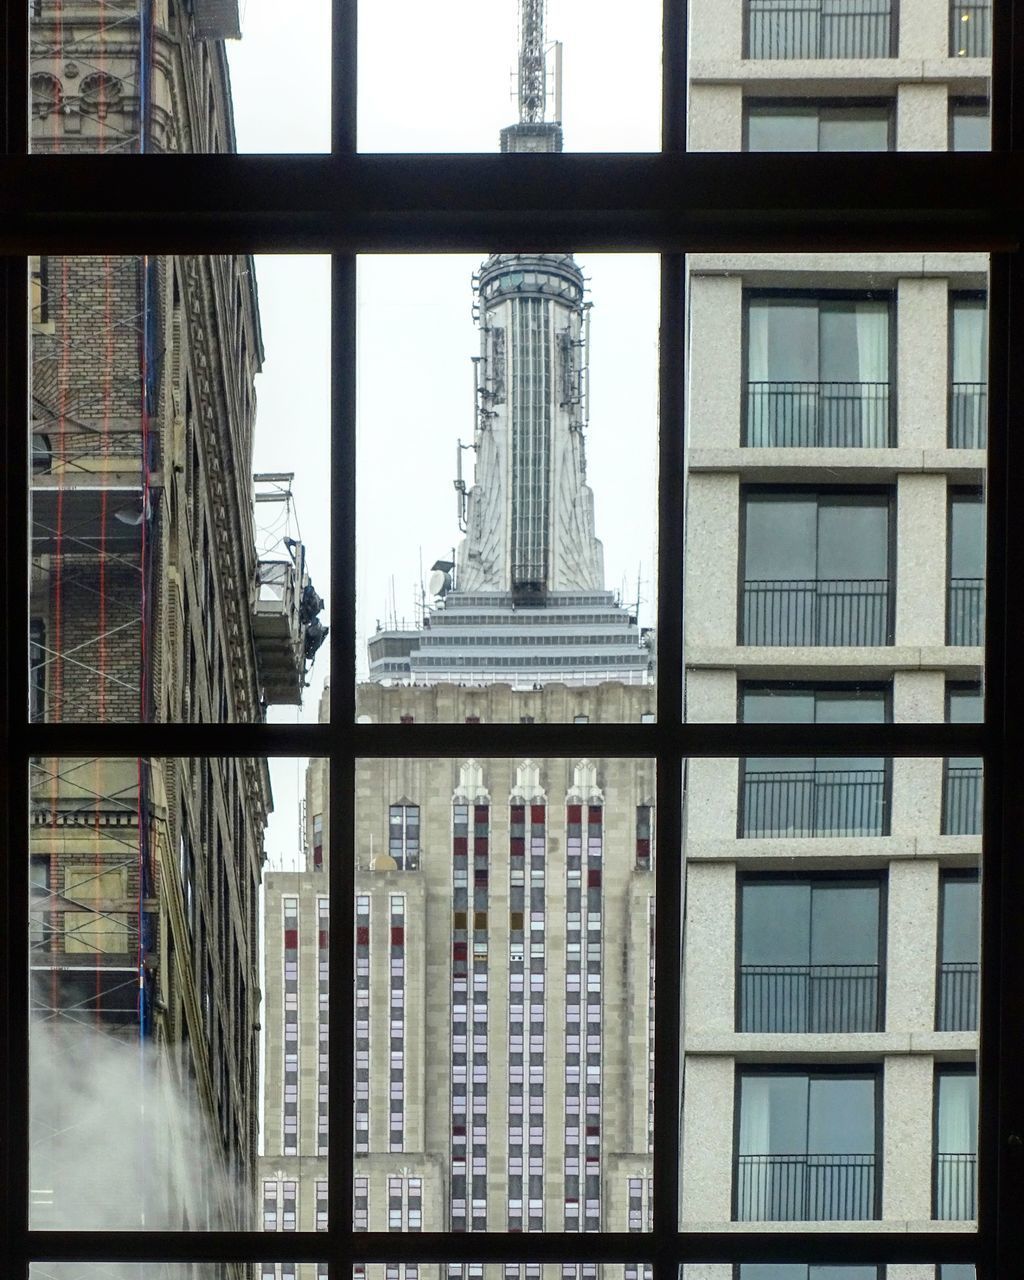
{"type": "Point", "coordinates": [969, 130]}
{"type": "Point", "coordinates": [529, 96]}
{"type": "Point", "coordinates": [532, 594]}
{"type": "Point", "coordinates": [504, 995]}
{"type": "Point", "coordinates": [160, 76]}
{"type": "Point", "coordinates": [148, 993]}
{"type": "Point", "coordinates": [808, 949]}
{"type": "Point", "coordinates": [175, 1271]}
{"type": "Point", "coordinates": [179, 424]}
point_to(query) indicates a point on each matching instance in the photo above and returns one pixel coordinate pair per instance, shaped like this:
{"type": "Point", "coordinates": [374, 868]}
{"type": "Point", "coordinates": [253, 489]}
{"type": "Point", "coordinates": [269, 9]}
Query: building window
{"type": "Point", "coordinates": [819, 371]}
{"type": "Point", "coordinates": [37, 665]}
{"type": "Point", "coordinates": [818, 126]}
{"type": "Point", "coordinates": [956, 1144]}
{"type": "Point", "coordinates": [804, 797]}
{"type": "Point", "coordinates": [644, 836]}
{"type": "Point", "coordinates": [970, 124]}
{"type": "Point", "coordinates": [396, 1074]}
{"type": "Point", "coordinates": [41, 926]}
{"type": "Point", "coordinates": [965, 600]}
{"type": "Point", "coordinates": [799, 1271]}
{"type": "Point", "coordinates": [970, 29]}
{"type": "Point", "coordinates": [811, 954]}
{"type": "Point", "coordinates": [816, 567]}
{"type": "Point", "coordinates": [968, 371]}
{"type": "Point", "coordinates": [956, 1005]}
{"type": "Point", "coordinates": [820, 29]}
{"type": "Point", "coordinates": [362, 1027]}
{"type": "Point", "coordinates": [318, 842]}
{"type": "Point", "coordinates": [963, 775]}
{"type": "Point", "coordinates": [404, 836]}
{"type": "Point", "coordinates": [807, 1146]}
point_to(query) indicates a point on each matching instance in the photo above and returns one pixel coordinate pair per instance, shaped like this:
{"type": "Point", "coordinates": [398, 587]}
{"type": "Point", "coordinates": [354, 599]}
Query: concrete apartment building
{"type": "Point", "coordinates": [836, 457]}
{"type": "Point", "coordinates": [148, 603]}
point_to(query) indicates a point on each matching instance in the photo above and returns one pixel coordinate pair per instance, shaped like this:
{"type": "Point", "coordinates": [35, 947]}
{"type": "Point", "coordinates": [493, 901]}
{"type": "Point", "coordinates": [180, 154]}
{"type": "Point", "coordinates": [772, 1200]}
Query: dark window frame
{"type": "Point", "coordinates": [665, 203]}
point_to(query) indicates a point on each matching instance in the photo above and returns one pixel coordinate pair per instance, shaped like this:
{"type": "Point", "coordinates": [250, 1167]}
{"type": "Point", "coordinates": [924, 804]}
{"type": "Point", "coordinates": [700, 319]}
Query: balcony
{"type": "Point", "coordinates": [968, 415]}
{"type": "Point", "coordinates": [956, 1186]}
{"type": "Point", "coordinates": [816, 802]}
{"type": "Point", "coordinates": [812, 998]}
{"type": "Point", "coordinates": [961, 802]}
{"type": "Point", "coordinates": [965, 620]}
{"type": "Point", "coordinates": [970, 29]}
{"type": "Point", "coordinates": [829, 415]}
{"type": "Point", "coordinates": [816, 611]}
{"type": "Point", "coordinates": [957, 1006]}
{"type": "Point", "coordinates": [819, 29]}
{"type": "Point", "coordinates": [805, 1188]}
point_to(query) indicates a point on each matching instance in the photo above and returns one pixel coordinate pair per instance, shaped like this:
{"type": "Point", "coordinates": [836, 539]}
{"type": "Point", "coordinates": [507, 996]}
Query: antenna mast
{"type": "Point", "coordinates": [532, 72]}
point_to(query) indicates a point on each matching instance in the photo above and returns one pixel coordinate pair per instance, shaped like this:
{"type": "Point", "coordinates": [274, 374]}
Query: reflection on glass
{"type": "Point", "coordinates": [161, 590]}
{"type": "Point", "coordinates": [520, 594]}
{"type": "Point", "coordinates": [146, 992]}
{"type": "Point", "coordinates": [517, 1053]}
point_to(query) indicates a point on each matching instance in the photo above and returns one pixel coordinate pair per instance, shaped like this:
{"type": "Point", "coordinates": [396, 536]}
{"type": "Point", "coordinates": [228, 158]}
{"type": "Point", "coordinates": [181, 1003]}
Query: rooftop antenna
{"type": "Point", "coordinates": [532, 69]}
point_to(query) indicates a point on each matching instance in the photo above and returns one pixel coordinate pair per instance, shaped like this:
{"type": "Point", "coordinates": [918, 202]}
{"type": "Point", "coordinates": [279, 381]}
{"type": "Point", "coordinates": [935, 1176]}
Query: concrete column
{"type": "Point", "coordinates": [711, 695]}
{"type": "Point", "coordinates": [919, 697]}
{"type": "Point", "coordinates": [709, 967]}
{"type": "Point", "coordinates": [716, 30]}
{"type": "Point", "coordinates": [708, 1089]}
{"type": "Point", "coordinates": [922, 363]}
{"type": "Point", "coordinates": [924, 29]}
{"type": "Point", "coordinates": [712, 560]}
{"type": "Point", "coordinates": [907, 1148]}
{"type": "Point", "coordinates": [922, 117]}
{"type": "Point", "coordinates": [716, 352]}
{"type": "Point", "coordinates": [712, 788]}
{"type": "Point", "coordinates": [716, 117]}
{"type": "Point", "coordinates": [913, 921]}
{"type": "Point", "coordinates": [921, 560]}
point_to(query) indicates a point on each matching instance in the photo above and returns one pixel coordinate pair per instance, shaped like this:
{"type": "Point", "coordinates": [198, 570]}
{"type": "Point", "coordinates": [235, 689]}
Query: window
{"type": "Point", "coordinates": [970, 28]}
{"type": "Point", "coordinates": [819, 126]}
{"type": "Point", "coordinates": [968, 365]}
{"type": "Point", "coordinates": [404, 836]}
{"type": "Point", "coordinates": [818, 372]}
{"type": "Point", "coordinates": [787, 796]}
{"type": "Point", "coordinates": [962, 784]}
{"type": "Point", "coordinates": [969, 124]}
{"type": "Point", "coordinates": [965, 601]}
{"type": "Point", "coordinates": [956, 1006]}
{"type": "Point", "coordinates": [816, 568]}
{"type": "Point", "coordinates": [796, 1271]}
{"type": "Point", "coordinates": [811, 953]}
{"type": "Point", "coordinates": [820, 29]}
{"type": "Point", "coordinates": [956, 1143]}
{"type": "Point", "coordinates": [807, 1146]}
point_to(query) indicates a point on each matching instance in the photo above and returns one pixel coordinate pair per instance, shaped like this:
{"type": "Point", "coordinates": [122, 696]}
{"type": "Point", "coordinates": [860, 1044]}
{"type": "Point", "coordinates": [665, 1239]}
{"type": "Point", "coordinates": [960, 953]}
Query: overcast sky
{"type": "Point", "coordinates": [446, 84]}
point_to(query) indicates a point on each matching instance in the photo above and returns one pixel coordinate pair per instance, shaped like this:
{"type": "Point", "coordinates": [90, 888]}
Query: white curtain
{"type": "Point", "coordinates": [958, 1114]}
{"type": "Point", "coordinates": [872, 328]}
{"type": "Point", "coordinates": [755, 1177]}
{"type": "Point", "coordinates": [969, 344]}
{"type": "Point", "coordinates": [759, 431]}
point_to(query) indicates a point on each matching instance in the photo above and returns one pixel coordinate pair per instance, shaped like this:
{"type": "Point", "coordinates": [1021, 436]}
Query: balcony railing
{"type": "Point", "coordinates": [957, 1007]}
{"type": "Point", "coordinates": [821, 802]}
{"type": "Point", "coordinates": [819, 29]}
{"type": "Point", "coordinates": [970, 29]}
{"type": "Point", "coordinates": [961, 806]}
{"type": "Point", "coordinates": [965, 622]}
{"type": "Point", "coordinates": [831, 415]}
{"type": "Point", "coordinates": [805, 1188]}
{"type": "Point", "coordinates": [810, 997]}
{"type": "Point", "coordinates": [956, 1185]}
{"type": "Point", "coordinates": [816, 611]}
{"type": "Point", "coordinates": [968, 415]}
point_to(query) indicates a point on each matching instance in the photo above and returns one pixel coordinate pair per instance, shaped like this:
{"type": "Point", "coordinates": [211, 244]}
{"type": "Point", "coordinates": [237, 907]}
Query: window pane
{"type": "Point", "coordinates": [782, 128]}
{"type": "Point", "coordinates": [444, 105]}
{"type": "Point", "coordinates": [148, 993]}
{"type": "Point", "coordinates": [540, 575]}
{"type": "Point", "coordinates": [127, 76]}
{"type": "Point", "coordinates": [504, 996]}
{"type": "Point", "coordinates": [170, 581]}
{"type": "Point", "coordinates": [855, 129]}
{"type": "Point", "coordinates": [969, 128]}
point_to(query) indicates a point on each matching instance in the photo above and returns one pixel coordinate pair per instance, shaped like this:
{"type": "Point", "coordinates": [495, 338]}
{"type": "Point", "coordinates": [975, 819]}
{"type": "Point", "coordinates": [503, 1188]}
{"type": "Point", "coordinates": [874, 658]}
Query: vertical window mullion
{"type": "Point", "coordinates": [344, 79]}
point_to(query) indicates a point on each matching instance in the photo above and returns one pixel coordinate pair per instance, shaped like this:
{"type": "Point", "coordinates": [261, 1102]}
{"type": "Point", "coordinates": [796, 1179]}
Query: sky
{"type": "Point", "coordinates": [446, 84]}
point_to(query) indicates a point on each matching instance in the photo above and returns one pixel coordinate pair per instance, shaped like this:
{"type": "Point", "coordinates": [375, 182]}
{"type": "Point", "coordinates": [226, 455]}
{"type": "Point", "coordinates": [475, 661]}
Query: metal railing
{"type": "Point", "coordinates": [968, 415]}
{"type": "Point", "coordinates": [970, 29]}
{"type": "Point", "coordinates": [805, 1188]}
{"type": "Point", "coordinates": [957, 1005]}
{"type": "Point", "coordinates": [819, 29]}
{"type": "Point", "coordinates": [819, 802]}
{"type": "Point", "coordinates": [816, 611]}
{"type": "Point", "coordinates": [809, 997]}
{"type": "Point", "coordinates": [956, 1185]}
{"type": "Point", "coordinates": [961, 805]}
{"type": "Point", "coordinates": [834, 415]}
{"type": "Point", "coordinates": [965, 620]}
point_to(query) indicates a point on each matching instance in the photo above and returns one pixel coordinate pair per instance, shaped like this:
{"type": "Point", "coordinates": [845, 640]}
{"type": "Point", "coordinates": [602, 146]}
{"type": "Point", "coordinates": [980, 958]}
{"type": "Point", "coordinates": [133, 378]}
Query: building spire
{"type": "Point", "coordinates": [532, 69]}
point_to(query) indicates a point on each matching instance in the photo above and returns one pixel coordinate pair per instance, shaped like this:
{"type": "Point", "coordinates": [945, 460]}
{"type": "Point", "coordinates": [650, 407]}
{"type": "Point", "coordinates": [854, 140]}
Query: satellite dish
{"type": "Point", "coordinates": [438, 583]}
